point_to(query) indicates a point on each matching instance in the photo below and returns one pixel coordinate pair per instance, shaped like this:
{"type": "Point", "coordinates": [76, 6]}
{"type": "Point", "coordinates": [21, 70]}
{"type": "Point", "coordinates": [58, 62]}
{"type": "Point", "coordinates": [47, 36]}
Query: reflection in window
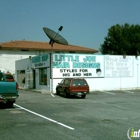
{"type": "Point", "coordinates": [43, 76]}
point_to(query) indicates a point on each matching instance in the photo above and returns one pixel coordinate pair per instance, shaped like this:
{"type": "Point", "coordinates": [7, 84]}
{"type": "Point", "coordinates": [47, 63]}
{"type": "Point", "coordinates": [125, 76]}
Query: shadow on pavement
{"type": "Point", "coordinates": [70, 97]}
{"type": "Point", "coordinates": [4, 106]}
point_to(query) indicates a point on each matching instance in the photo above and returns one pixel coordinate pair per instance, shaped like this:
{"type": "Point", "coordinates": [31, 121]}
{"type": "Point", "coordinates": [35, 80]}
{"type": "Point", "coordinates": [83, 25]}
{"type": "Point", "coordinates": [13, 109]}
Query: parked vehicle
{"type": "Point", "coordinates": [73, 86]}
{"type": "Point", "coordinates": [8, 91]}
{"type": "Point", "coordinates": [9, 77]}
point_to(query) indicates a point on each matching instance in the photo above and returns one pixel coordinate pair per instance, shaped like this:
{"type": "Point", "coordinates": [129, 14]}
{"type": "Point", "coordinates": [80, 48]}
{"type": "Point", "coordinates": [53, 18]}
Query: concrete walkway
{"type": "Point", "coordinates": [34, 90]}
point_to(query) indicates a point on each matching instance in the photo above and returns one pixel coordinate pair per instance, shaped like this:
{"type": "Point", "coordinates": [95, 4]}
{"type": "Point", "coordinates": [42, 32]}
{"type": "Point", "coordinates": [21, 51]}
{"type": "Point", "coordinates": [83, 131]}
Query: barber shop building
{"type": "Point", "coordinates": [102, 72]}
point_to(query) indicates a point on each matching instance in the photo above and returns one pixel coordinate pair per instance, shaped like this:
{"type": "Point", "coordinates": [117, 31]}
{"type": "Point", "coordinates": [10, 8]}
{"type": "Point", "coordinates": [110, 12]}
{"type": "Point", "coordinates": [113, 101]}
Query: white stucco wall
{"type": "Point", "coordinates": [8, 58]}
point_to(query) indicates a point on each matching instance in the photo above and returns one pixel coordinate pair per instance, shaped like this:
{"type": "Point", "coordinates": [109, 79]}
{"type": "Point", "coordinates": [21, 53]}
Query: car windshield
{"type": "Point", "coordinates": [67, 81]}
{"type": "Point", "coordinates": [62, 82]}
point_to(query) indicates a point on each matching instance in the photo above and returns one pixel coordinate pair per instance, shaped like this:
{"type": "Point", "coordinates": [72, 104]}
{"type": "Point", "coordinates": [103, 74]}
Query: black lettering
{"type": "Point", "coordinates": [83, 70]}
{"type": "Point", "coordinates": [66, 74]}
{"type": "Point", "coordinates": [61, 70]}
{"type": "Point", "coordinates": [87, 74]}
{"type": "Point", "coordinates": [76, 74]}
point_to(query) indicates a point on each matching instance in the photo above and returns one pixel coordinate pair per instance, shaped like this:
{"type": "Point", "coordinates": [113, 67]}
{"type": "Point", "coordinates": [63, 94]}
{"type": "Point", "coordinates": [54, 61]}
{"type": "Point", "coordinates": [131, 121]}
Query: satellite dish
{"type": "Point", "coordinates": [55, 37]}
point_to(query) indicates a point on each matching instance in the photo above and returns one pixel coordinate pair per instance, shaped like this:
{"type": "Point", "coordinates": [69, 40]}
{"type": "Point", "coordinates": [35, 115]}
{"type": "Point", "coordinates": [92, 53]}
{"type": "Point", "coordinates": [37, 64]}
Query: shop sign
{"type": "Point", "coordinates": [77, 65]}
{"type": "Point", "coordinates": [40, 61]}
{"type": "Point", "coordinates": [117, 66]}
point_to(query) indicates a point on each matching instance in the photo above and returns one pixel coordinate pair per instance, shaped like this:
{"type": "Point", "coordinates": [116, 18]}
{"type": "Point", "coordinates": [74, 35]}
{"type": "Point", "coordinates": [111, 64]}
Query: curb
{"type": "Point", "coordinates": [39, 91]}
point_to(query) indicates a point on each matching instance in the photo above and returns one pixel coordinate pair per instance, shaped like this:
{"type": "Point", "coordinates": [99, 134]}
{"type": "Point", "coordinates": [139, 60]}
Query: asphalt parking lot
{"type": "Point", "coordinates": [103, 115]}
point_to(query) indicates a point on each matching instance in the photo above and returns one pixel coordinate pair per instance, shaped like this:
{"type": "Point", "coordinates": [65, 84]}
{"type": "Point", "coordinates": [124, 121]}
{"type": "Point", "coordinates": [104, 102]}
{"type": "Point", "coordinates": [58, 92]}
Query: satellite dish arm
{"type": "Point", "coordinates": [51, 42]}
{"type": "Point", "coordinates": [60, 29]}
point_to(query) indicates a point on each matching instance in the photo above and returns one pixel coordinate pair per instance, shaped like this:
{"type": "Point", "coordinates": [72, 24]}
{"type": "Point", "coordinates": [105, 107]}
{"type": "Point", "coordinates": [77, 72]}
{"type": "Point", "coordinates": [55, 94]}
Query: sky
{"type": "Point", "coordinates": [85, 22]}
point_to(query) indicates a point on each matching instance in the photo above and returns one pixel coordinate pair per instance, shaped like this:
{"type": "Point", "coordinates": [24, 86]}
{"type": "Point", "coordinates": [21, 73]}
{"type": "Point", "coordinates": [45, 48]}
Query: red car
{"type": "Point", "coordinates": [9, 77]}
{"type": "Point", "coordinates": [73, 86]}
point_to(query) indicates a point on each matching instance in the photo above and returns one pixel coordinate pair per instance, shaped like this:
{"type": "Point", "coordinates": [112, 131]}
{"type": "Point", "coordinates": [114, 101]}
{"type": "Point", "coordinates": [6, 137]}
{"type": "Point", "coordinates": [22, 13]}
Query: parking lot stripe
{"type": "Point", "coordinates": [108, 92]}
{"type": "Point", "coordinates": [52, 95]}
{"type": "Point", "coordinates": [128, 91]}
{"type": "Point", "coordinates": [44, 117]}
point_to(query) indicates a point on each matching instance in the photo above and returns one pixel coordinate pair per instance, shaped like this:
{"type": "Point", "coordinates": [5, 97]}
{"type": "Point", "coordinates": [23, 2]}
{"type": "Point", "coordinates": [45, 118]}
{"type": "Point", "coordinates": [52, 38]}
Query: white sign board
{"type": "Point", "coordinates": [77, 65]}
{"type": "Point", "coordinates": [117, 66]}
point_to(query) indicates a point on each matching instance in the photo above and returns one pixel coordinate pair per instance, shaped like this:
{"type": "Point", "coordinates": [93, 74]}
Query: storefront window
{"type": "Point", "coordinates": [43, 76]}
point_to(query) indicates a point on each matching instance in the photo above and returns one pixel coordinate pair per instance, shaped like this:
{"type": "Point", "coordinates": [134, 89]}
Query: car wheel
{"type": "Point", "coordinates": [57, 92]}
{"type": "Point", "coordinates": [9, 104]}
{"type": "Point", "coordinates": [66, 94]}
{"type": "Point", "coordinates": [83, 96]}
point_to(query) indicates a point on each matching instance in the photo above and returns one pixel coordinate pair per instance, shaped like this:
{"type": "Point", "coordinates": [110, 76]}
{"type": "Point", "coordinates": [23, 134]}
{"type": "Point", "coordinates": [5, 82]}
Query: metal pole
{"type": "Point", "coordinates": [51, 68]}
{"type": "Point", "coordinates": [51, 42]}
{"type": "Point", "coordinates": [137, 75]}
